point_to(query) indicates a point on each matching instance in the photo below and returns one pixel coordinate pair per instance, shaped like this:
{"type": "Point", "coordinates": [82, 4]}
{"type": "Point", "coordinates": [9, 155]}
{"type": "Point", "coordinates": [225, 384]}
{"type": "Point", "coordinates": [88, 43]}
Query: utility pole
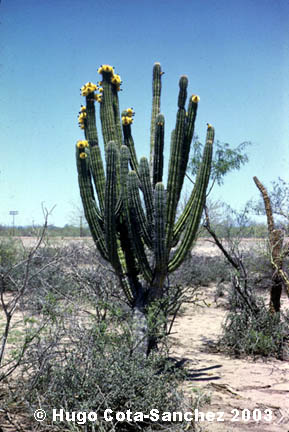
{"type": "Point", "coordinates": [13, 213]}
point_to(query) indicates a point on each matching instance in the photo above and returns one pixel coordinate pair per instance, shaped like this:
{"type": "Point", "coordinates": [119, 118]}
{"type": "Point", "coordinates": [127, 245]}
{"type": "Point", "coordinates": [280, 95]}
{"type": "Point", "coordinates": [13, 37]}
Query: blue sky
{"type": "Point", "coordinates": [235, 53]}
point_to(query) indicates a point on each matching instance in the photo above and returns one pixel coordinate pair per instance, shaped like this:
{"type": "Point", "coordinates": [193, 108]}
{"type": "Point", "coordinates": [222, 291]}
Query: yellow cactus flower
{"type": "Point", "coordinates": [81, 144]}
{"type": "Point", "coordinates": [129, 112]}
{"type": "Point", "coordinates": [82, 108]}
{"type": "Point", "coordinates": [105, 68]}
{"type": "Point", "coordinates": [209, 126]}
{"type": "Point", "coordinates": [81, 126]}
{"type": "Point", "coordinates": [100, 89]}
{"type": "Point", "coordinates": [195, 98]}
{"type": "Point", "coordinates": [98, 97]}
{"type": "Point", "coordinates": [82, 116]}
{"type": "Point", "coordinates": [82, 155]}
{"type": "Point", "coordinates": [116, 80]}
{"type": "Point", "coordinates": [126, 120]}
{"type": "Point", "coordinates": [88, 88]}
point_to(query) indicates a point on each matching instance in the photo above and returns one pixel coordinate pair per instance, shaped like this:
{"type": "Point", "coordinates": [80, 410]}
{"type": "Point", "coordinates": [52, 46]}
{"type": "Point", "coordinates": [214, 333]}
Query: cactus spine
{"type": "Point", "coordinates": [123, 225]}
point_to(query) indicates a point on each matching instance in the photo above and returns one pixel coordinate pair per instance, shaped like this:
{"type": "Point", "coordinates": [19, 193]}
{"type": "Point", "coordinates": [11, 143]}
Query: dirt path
{"type": "Point", "coordinates": [234, 384]}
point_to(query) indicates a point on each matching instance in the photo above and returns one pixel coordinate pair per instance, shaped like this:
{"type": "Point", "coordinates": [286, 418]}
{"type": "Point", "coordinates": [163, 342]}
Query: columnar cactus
{"type": "Point", "coordinates": [129, 210]}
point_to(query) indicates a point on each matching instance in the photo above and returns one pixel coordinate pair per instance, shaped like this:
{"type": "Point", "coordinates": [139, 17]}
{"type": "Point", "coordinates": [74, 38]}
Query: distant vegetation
{"type": "Point", "coordinates": [254, 230]}
{"type": "Point", "coordinates": [52, 231]}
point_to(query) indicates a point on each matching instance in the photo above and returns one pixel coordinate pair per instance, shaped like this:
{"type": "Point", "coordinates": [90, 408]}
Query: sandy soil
{"type": "Point", "coordinates": [203, 246]}
{"type": "Point", "coordinates": [233, 384]}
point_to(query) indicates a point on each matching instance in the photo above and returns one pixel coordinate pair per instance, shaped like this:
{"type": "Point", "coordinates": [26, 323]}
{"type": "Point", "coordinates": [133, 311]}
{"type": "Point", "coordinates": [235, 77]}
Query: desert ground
{"type": "Point", "coordinates": [236, 387]}
{"type": "Point", "coordinates": [232, 384]}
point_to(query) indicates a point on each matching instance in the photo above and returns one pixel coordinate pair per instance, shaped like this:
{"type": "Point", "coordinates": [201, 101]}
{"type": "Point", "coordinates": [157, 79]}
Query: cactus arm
{"type": "Point", "coordinates": [107, 111]}
{"type": "Point", "coordinates": [126, 236]}
{"type": "Point", "coordinates": [199, 201]}
{"type": "Point", "coordinates": [90, 126]}
{"type": "Point", "coordinates": [129, 142]}
{"type": "Point", "coordinates": [137, 225]}
{"type": "Point", "coordinates": [158, 160]}
{"type": "Point", "coordinates": [146, 187]}
{"type": "Point", "coordinates": [191, 117]}
{"type": "Point", "coordinates": [182, 221]}
{"type": "Point", "coordinates": [130, 276]}
{"type": "Point", "coordinates": [107, 114]}
{"type": "Point", "coordinates": [159, 244]}
{"type": "Point", "coordinates": [189, 132]}
{"type": "Point", "coordinates": [116, 112]}
{"type": "Point", "coordinates": [135, 200]}
{"type": "Point", "coordinates": [176, 171]}
{"type": "Point", "coordinates": [87, 122]}
{"type": "Point", "coordinates": [160, 252]}
{"type": "Point", "coordinates": [157, 86]}
{"type": "Point", "coordinates": [110, 206]}
{"type": "Point", "coordinates": [130, 268]}
{"type": "Point", "coordinates": [90, 208]}
{"type": "Point", "coordinates": [98, 174]}
{"type": "Point", "coordinates": [138, 245]}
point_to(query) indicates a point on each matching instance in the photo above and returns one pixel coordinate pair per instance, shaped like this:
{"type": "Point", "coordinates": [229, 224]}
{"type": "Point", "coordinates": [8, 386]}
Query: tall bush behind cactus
{"type": "Point", "coordinates": [130, 211]}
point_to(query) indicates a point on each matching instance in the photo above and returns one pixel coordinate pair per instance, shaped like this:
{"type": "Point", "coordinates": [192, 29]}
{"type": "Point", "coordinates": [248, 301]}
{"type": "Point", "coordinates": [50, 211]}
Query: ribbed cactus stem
{"type": "Point", "coordinates": [90, 129]}
{"type": "Point", "coordinates": [129, 142]}
{"type": "Point", "coordinates": [176, 165]}
{"type": "Point", "coordinates": [146, 187]}
{"type": "Point", "coordinates": [181, 222]}
{"type": "Point", "coordinates": [157, 86]}
{"type": "Point", "coordinates": [159, 228]}
{"type": "Point", "coordinates": [91, 211]}
{"type": "Point", "coordinates": [95, 155]}
{"type": "Point", "coordinates": [110, 205]}
{"type": "Point", "coordinates": [125, 232]}
{"type": "Point", "coordinates": [160, 251]}
{"type": "Point", "coordinates": [98, 174]}
{"type": "Point", "coordinates": [107, 114]}
{"type": "Point", "coordinates": [183, 84]}
{"type": "Point", "coordinates": [135, 201]}
{"type": "Point", "coordinates": [202, 181]}
{"type": "Point", "coordinates": [116, 113]}
{"type": "Point", "coordinates": [191, 117]}
{"type": "Point", "coordinates": [137, 225]}
{"type": "Point", "coordinates": [158, 160]}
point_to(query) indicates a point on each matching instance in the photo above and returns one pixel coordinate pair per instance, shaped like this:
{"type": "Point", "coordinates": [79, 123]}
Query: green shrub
{"type": "Point", "coordinates": [201, 270]}
{"type": "Point", "coordinates": [99, 372]}
{"type": "Point", "coordinates": [245, 333]}
{"type": "Point", "coordinates": [9, 251]}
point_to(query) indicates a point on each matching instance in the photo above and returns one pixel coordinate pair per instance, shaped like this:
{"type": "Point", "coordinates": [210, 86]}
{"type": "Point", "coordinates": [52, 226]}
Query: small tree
{"type": "Point", "coordinates": [278, 251]}
{"type": "Point", "coordinates": [131, 215]}
{"type": "Point", "coordinates": [224, 160]}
